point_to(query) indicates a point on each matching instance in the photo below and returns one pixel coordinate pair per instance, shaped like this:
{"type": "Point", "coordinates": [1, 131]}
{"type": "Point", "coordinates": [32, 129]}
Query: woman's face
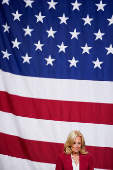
{"type": "Point", "coordinates": [76, 147]}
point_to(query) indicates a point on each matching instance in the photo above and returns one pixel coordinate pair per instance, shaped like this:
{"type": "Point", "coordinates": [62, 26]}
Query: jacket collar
{"type": "Point", "coordinates": [68, 158]}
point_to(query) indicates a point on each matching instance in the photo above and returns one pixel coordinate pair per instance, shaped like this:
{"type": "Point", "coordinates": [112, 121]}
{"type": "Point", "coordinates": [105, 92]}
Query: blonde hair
{"type": "Point", "coordinates": [70, 141]}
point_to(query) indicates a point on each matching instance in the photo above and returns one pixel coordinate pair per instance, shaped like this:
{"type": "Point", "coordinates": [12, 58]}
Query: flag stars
{"type": "Point", "coordinates": [16, 15]}
{"type": "Point", "coordinates": [62, 47]}
{"type": "Point", "coordinates": [76, 5]}
{"type": "Point", "coordinates": [110, 21]}
{"type": "Point", "coordinates": [74, 34]}
{"type": "Point", "coordinates": [40, 17]}
{"type": "Point", "coordinates": [63, 19]}
{"type": "Point", "coordinates": [26, 58]}
{"type": "Point", "coordinates": [100, 6]}
{"type": "Point", "coordinates": [6, 54]}
{"type": "Point", "coordinates": [49, 60]}
{"type": "Point", "coordinates": [97, 63]}
{"type": "Point", "coordinates": [39, 46]}
{"type": "Point", "coordinates": [86, 49]}
{"type": "Point", "coordinates": [99, 35]}
{"type": "Point", "coordinates": [6, 28]}
{"type": "Point", "coordinates": [5, 2]}
{"type": "Point", "coordinates": [27, 31]}
{"type": "Point", "coordinates": [51, 32]}
{"type": "Point", "coordinates": [52, 4]}
{"type": "Point", "coordinates": [16, 43]}
{"type": "Point", "coordinates": [28, 3]}
{"type": "Point", "coordinates": [110, 49]}
{"type": "Point", "coordinates": [73, 62]}
{"type": "Point", "coordinates": [87, 20]}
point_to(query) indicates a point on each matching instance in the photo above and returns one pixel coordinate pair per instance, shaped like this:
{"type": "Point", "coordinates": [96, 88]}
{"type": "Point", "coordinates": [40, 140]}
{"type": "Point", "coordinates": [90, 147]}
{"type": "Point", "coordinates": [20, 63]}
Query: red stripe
{"type": "Point", "coordinates": [57, 110]}
{"type": "Point", "coordinates": [102, 157]}
{"type": "Point", "coordinates": [47, 152]}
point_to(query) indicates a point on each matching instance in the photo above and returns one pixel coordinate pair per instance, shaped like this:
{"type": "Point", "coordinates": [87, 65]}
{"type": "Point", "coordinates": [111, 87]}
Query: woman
{"type": "Point", "coordinates": [75, 156]}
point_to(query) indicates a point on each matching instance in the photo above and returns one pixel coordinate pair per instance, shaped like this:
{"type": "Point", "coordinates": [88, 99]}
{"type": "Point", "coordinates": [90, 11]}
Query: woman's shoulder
{"type": "Point", "coordinates": [87, 156]}
{"type": "Point", "coordinates": [63, 155]}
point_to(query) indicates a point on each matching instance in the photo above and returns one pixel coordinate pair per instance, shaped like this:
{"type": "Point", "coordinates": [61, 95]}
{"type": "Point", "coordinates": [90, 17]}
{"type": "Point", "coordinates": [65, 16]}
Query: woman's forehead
{"type": "Point", "coordinates": [78, 138]}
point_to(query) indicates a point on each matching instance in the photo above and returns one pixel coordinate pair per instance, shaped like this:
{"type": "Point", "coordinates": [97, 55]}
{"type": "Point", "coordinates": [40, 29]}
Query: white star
{"type": "Point", "coordinates": [39, 17]}
{"type": "Point", "coordinates": [16, 43]}
{"type": "Point", "coordinates": [28, 3]}
{"type": "Point", "coordinates": [39, 46]}
{"type": "Point", "coordinates": [49, 60]}
{"type": "Point", "coordinates": [76, 5]}
{"type": "Point", "coordinates": [87, 20]}
{"type": "Point", "coordinates": [99, 35]}
{"type": "Point", "coordinates": [63, 19]}
{"type": "Point", "coordinates": [110, 49]}
{"type": "Point", "coordinates": [16, 15]}
{"type": "Point", "coordinates": [5, 1]}
{"type": "Point", "coordinates": [73, 62]}
{"type": "Point", "coordinates": [86, 49]}
{"type": "Point", "coordinates": [27, 31]}
{"type": "Point", "coordinates": [51, 32]}
{"type": "Point", "coordinates": [6, 27]}
{"type": "Point", "coordinates": [110, 20]}
{"type": "Point", "coordinates": [74, 34]}
{"type": "Point", "coordinates": [6, 54]}
{"type": "Point", "coordinates": [97, 63]}
{"type": "Point", "coordinates": [26, 58]}
{"type": "Point", "coordinates": [52, 4]}
{"type": "Point", "coordinates": [62, 47]}
{"type": "Point", "coordinates": [100, 6]}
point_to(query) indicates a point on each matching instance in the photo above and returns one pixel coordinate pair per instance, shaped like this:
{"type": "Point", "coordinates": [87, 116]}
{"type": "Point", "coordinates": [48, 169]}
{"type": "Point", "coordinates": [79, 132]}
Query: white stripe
{"type": "Point", "coordinates": [55, 131]}
{"type": "Point", "coordinates": [12, 163]}
{"type": "Point", "coordinates": [57, 89]}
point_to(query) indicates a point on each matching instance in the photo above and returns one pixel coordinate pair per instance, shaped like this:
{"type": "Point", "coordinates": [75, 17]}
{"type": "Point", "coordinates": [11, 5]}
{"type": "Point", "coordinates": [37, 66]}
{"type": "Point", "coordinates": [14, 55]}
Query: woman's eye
{"type": "Point", "coordinates": [74, 143]}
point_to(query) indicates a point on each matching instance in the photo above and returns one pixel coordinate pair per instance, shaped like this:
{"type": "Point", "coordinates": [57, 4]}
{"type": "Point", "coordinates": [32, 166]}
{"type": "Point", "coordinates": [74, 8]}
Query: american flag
{"type": "Point", "coordinates": [56, 75]}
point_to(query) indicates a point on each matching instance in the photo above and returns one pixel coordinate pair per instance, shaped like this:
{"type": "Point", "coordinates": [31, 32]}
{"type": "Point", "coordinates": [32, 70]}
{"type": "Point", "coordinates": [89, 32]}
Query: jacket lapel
{"type": "Point", "coordinates": [83, 162]}
{"type": "Point", "coordinates": [69, 162]}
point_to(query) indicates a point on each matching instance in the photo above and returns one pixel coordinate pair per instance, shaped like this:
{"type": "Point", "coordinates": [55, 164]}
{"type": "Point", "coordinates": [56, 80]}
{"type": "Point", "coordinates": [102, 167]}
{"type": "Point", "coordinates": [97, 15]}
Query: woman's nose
{"type": "Point", "coordinates": [76, 145]}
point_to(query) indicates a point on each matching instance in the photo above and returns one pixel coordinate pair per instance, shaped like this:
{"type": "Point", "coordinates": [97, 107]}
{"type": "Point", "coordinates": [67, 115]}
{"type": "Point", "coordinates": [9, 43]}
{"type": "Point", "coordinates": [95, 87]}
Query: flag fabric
{"type": "Point", "coordinates": [56, 75]}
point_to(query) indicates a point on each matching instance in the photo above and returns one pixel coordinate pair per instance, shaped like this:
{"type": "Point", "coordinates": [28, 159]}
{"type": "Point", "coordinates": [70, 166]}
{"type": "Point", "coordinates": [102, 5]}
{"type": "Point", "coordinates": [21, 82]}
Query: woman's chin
{"type": "Point", "coordinates": [76, 152]}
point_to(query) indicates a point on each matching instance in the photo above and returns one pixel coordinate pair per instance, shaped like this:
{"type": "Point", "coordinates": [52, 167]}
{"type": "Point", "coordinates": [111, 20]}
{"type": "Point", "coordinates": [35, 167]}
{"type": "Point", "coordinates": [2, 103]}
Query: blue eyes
{"type": "Point", "coordinates": [75, 143]}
